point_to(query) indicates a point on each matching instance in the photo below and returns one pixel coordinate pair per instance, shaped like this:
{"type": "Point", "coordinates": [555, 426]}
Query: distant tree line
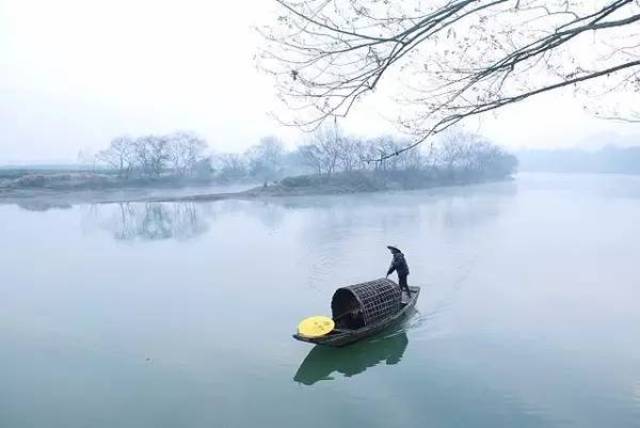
{"type": "Point", "coordinates": [325, 152]}
{"type": "Point", "coordinates": [179, 153]}
{"type": "Point", "coordinates": [456, 152]}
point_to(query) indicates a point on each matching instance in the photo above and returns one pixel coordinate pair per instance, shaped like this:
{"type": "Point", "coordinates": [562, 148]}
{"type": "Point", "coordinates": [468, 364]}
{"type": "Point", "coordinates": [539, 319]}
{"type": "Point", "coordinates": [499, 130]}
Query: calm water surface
{"type": "Point", "coordinates": [180, 315]}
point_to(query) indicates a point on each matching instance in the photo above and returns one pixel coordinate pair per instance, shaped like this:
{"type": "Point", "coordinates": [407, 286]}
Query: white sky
{"type": "Point", "coordinates": [76, 73]}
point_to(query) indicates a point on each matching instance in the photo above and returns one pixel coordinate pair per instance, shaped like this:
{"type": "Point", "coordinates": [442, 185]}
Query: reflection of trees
{"type": "Point", "coordinates": [445, 206]}
{"type": "Point", "coordinates": [352, 360]}
{"type": "Point", "coordinates": [270, 215]}
{"type": "Point", "coordinates": [467, 207]}
{"type": "Point", "coordinates": [342, 230]}
{"type": "Point", "coordinates": [156, 221]}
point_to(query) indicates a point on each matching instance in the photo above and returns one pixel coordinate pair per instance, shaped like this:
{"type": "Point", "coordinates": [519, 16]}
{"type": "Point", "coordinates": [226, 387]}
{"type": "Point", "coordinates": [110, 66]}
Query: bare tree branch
{"type": "Point", "coordinates": [446, 59]}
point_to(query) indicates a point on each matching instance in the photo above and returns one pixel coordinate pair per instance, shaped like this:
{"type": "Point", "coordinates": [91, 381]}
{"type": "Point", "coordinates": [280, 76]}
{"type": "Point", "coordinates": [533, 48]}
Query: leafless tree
{"type": "Point", "coordinates": [367, 151]}
{"type": "Point", "coordinates": [158, 153]}
{"type": "Point", "coordinates": [120, 155]}
{"type": "Point", "coordinates": [152, 155]}
{"type": "Point", "coordinates": [185, 149]}
{"type": "Point", "coordinates": [323, 150]}
{"type": "Point", "coordinates": [231, 166]}
{"type": "Point", "coordinates": [411, 160]}
{"type": "Point", "coordinates": [452, 149]}
{"type": "Point", "coordinates": [454, 58]}
{"type": "Point", "coordinates": [348, 153]}
{"type": "Point", "coordinates": [311, 156]}
{"type": "Point", "coordinates": [457, 151]}
{"type": "Point", "coordinates": [266, 159]}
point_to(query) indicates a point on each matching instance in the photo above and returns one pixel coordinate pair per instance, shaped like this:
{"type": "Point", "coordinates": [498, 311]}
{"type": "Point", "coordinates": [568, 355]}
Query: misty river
{"type": "Point", "coordinates": [181, 314]}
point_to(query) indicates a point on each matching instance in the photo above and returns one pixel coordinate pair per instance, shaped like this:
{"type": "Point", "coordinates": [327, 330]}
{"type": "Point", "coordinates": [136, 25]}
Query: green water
{"type": "Point", "coordinates": [180, 315]}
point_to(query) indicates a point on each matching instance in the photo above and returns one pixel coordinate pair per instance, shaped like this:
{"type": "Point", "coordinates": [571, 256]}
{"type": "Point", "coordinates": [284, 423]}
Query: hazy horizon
{"type": "Point", "coordinates": [75, 75]}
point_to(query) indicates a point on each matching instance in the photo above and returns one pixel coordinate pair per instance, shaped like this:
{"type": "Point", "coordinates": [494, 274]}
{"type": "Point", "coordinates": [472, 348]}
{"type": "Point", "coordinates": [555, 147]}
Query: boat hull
{"type": "Point", "coordinates": [338, 338]}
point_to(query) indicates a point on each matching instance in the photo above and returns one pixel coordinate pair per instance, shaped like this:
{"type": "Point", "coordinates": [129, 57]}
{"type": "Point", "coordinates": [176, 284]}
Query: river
{"type": "Point", "coordinates": [181, 314]}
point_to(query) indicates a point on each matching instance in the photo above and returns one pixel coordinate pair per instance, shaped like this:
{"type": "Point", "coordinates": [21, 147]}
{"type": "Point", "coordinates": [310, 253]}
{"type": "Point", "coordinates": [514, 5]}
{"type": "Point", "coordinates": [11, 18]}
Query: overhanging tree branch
{"type": "Point", "coordinates": [447, 59]}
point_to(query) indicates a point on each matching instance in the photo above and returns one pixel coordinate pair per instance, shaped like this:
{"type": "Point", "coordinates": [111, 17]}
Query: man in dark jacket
{"type": "Point", "coordinates": [399, 264]}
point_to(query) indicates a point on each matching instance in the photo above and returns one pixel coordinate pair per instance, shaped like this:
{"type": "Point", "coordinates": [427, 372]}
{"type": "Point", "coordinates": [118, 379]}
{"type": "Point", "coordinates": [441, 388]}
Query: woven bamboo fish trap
{"type": "Point", "coordinates": [364, 304]}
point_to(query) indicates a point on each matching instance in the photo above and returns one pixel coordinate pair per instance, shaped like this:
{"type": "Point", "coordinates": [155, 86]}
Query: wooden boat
{"type": "Point", "coordinates": [379, 304]}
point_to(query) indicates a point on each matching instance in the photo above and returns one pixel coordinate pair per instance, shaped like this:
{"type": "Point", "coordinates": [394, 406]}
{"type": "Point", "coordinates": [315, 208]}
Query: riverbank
{"type": "Point", "coordinates": [39, 189]}
{"type": "Point", "coordinates": [54, 191]}
{"type": "Point", "coordinates": [341, 183]}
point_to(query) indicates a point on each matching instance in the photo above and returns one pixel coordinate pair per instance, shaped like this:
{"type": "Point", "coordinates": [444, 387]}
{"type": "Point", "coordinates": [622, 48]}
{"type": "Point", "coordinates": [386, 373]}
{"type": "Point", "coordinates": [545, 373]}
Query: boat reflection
{"type": "Point", "coordinates": [322, 361]}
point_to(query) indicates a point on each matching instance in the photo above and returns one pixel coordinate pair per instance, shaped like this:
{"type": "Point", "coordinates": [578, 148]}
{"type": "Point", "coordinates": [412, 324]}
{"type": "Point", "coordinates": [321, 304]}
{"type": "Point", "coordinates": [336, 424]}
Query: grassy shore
{"type": "Point", "coordinates": [42, 190]}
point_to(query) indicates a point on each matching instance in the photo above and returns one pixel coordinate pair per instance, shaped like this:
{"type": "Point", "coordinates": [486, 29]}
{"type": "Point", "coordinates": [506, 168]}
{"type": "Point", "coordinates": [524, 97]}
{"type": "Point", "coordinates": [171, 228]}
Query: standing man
{"type": "Point", "coordinates": [399, 264]}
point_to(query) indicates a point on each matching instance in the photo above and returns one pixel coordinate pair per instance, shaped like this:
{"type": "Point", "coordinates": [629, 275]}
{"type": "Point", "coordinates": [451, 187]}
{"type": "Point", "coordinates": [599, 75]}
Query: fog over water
{"type": "Point", "coordinates": [164, 229]}
{"type": "Point", "coordinates": [180, 314]}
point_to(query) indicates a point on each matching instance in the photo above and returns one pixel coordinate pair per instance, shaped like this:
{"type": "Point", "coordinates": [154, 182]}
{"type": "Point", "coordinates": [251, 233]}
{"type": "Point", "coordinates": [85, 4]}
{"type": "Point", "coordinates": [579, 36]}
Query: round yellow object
{"type": "Point", "coordinates": [315, 326]}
